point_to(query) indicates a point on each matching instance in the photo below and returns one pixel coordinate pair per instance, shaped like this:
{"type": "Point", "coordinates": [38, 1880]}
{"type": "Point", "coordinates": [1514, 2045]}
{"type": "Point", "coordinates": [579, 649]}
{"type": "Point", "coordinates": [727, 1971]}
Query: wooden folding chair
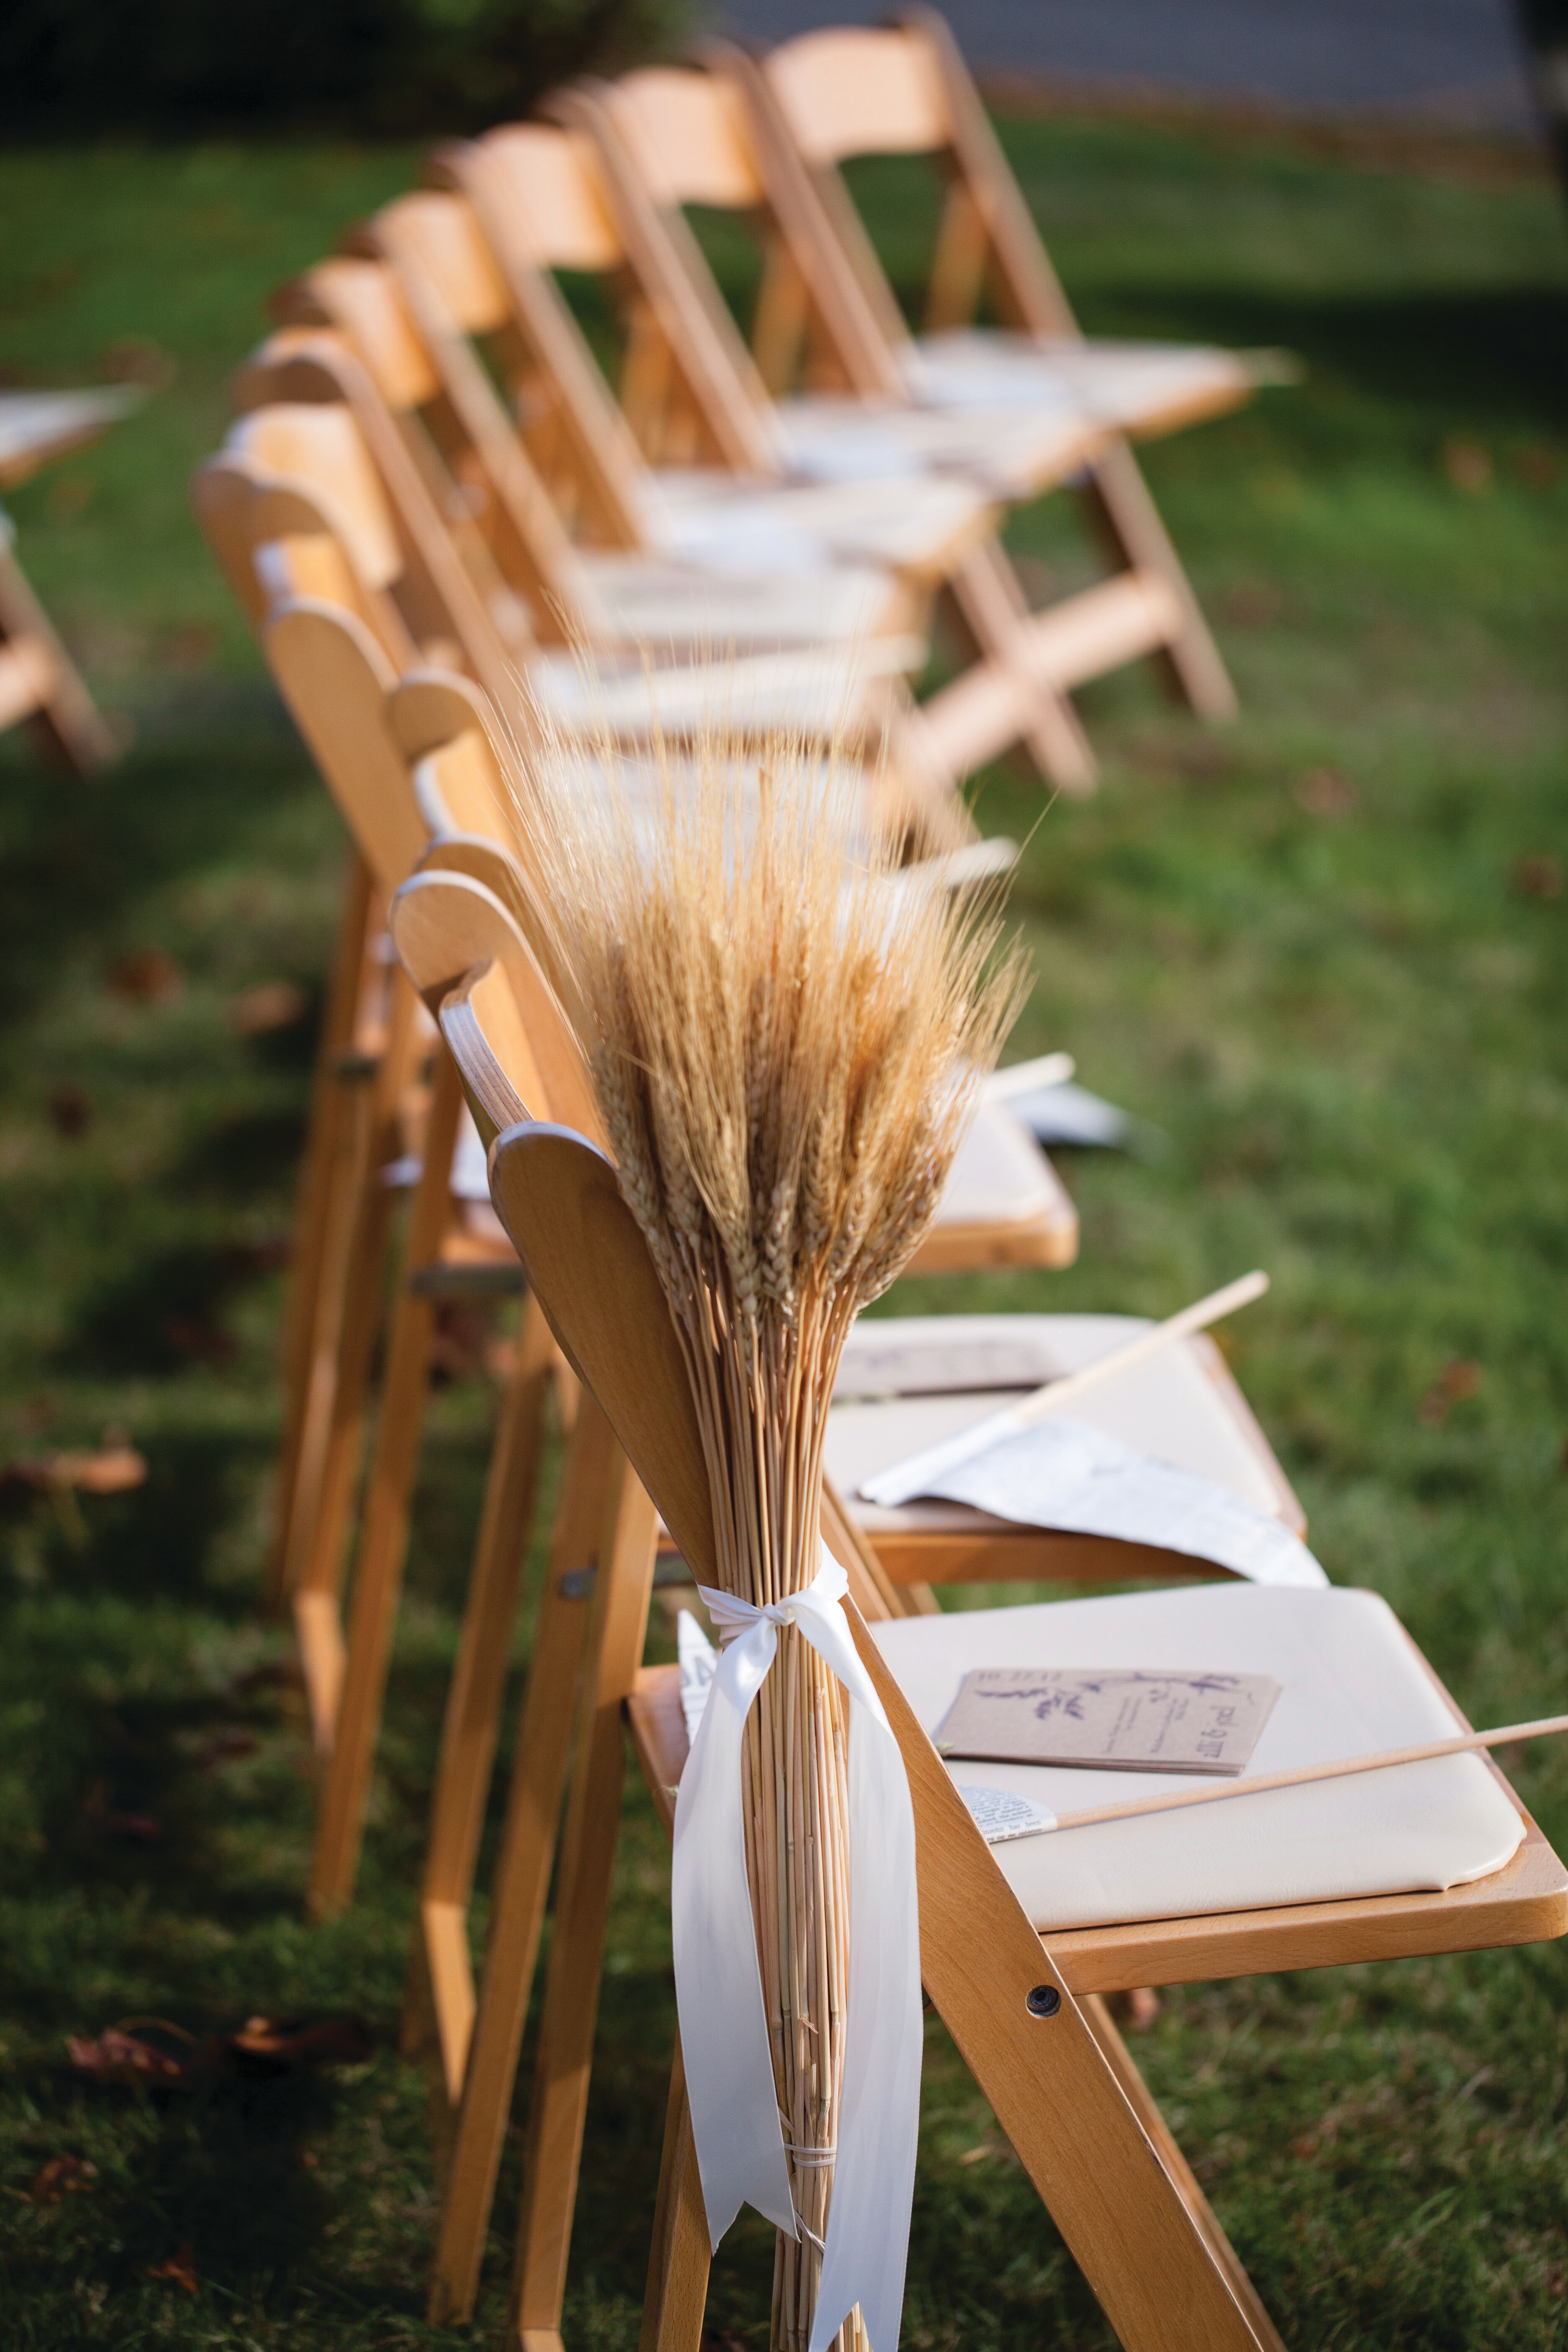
{"type": "Point", "coordinates": [1026, 2007]}
{"type": "Point", "coordinates": [39, 681]}
{"type": "Point", "coordinates": [549, 200]}
{"type": "Point", "coordinates": [674, 137]}
{"type": "Point", "coordinates": [448, 932]}
{"type": "Point", "coordinates": [903, 88]}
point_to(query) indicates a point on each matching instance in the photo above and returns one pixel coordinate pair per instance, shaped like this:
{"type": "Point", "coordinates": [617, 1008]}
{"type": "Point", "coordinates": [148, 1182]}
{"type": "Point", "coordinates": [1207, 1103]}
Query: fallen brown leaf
{"type": "Point", "coordinates": [1537, 878]}
{"type": "Point", "coordinates": [1324, 791]}
{"type": "Point", "coordinates": [1252, 604]}
{"type": "Point", "coordinates": [108, 1470]}
{"type": "Point", "coordinates": [1467, 464]}
{"type": "Point", "coordinates": [283, 2045]}
{"type": "Point", "coordinates": [148, 976]}
{"type": "Point", "coordinates": [120, 2055]}
{"type": "Point", "coordinates": [270, 1005]}
{"type": "Point", "coordinates": [180, 2270]}
{"type": "Point", "coordinates": [62, 2176]}
{"type": "Point", "coordinates": [190, 646]}
{"type": "Point", "coordinates": [70, 1112]}
{"type": "Point", "coordinates": [1457, 1379]}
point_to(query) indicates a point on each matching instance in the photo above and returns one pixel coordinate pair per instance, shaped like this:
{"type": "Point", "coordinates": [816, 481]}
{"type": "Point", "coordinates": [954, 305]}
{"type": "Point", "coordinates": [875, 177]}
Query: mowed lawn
{"type": "Point", "coordinates": [1324, 952]}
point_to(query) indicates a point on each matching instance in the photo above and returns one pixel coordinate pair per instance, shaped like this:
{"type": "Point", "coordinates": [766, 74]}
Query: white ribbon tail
{"type": "Point", "coordinates": [724, 2037]}
{"type": "Point", "coordinates": [724, 2041]}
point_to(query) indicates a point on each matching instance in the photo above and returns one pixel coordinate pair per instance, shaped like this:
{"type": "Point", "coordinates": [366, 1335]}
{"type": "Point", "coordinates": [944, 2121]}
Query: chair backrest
{"type": "Point", "coordinates": [409, 329]}
{"type": "Point", "coordinates": [904, 89]}
{"type": "Point", "coordinates": [675, 137]}
{"type": "Point", "coordinates": [335, 680]}
{"type": "Point", "coordinates": [290, 508]}
{"type": "Point", "coordinates": [444, 596]}
{"type": "Point", "coordinates": [533, 194]}
{"type": "Point", "coordinates": [549, 201]}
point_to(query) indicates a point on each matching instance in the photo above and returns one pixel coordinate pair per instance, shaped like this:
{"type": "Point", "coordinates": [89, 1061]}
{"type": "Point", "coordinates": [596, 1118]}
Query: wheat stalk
{"type": "Point", "coordinates": [786, 1051]}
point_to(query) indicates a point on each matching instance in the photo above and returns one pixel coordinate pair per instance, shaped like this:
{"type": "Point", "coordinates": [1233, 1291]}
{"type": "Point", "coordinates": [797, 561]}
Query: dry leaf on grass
{"type": "Point", "coordinates": [62, 2176]}
{"type": "Point", "coordinates": [149, 976]}
{"type": "Point", "coordinates": [106, 1470]}
{"type": "Point", "coordinates": [284, 2045]}
{"type": "Point", "coordinates": [1537, 878]}
{"type": "Point", "coordinates": [180, 2270]}
{"type": "Point", "coordinates": [122, 2055]}
{"type": "Point", "coordinates": [71, 1111]}
{"type": "Point", "coordinates": [270, 1005]}
{"type": "Point", "coordinates": [1456, 1381]}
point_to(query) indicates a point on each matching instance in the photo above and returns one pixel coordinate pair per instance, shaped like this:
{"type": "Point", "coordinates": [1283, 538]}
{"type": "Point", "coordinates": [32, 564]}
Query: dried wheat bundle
{"type": "Point", "coordinates": [785, 1042]}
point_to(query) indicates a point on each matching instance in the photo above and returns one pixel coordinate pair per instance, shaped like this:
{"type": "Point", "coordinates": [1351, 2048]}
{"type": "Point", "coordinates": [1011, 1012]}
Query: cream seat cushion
{"type": "Point", "coordinates": [1133, 385]}
{"type": "Point", "coordinates": [999, 1175]}
{"type": "Point", "coordinates": [1351, 1683]}
{"type": "Point", "coordinates": [906, 1381]}
{"type": "Point", "coordinates": [643, 600]}
{"type": "Point", "coordinates": [714, 519]}
{"type": "Point", "coordinates": [1012, 452]}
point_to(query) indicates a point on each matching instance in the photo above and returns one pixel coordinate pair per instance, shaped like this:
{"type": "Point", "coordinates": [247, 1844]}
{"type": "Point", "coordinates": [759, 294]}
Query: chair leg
{"type": "Point", "coordinates": [384, 1543]}
{"type": "Point", "coordinates": [314, 1216]}
{"type": "Point", "coordinates": [553, 2149]}
{"type": "Point", "coordinates": [479, 1683]}
{"type": "Point", "coordinates": [1130, 522]}
{"type": "Point", "coordinates": [56, 703]}
{"type": "Point", "coordinates": [680, 2258]}
{"type": "Point", "coordinates": [1120, 2059]}
{"type": "Point", "coordinates": [333, 1412]}
{"type": "Point", "coordinates": [994, 608]}
{"type": "Point", "coordinates": [490, 2048]}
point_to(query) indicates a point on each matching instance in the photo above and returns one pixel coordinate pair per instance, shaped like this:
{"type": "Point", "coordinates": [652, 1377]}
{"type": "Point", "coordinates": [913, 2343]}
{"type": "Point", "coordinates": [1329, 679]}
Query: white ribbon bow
{"type": "Point", "coordinates": [719, 1988]}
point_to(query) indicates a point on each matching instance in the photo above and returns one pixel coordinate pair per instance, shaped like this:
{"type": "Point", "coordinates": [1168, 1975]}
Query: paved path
{"type": "Point", "coordinates": [1455, 61]}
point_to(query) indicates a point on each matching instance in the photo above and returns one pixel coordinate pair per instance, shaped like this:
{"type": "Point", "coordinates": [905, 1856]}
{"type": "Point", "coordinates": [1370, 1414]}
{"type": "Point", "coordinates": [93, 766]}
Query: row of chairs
{"type": "Point", "coordinates": [429, 495]}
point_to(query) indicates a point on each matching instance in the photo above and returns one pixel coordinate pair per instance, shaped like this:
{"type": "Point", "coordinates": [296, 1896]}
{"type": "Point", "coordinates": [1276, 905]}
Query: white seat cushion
{"type": "Point", "coordinates": [1135, 385]}
{"type": "Point", "coordinates": [644, 601]}
{"type": "Point", "coordinates": [1013, 452]}
{"type": "Point", "coordinates": [1000, 1176]}
{"type": "Point", "coordinates": [1352, 1683]}
{"type": "Point", "coordinates": [960, 1368]}
{"type": "Point", "coordinates": [717, 519]}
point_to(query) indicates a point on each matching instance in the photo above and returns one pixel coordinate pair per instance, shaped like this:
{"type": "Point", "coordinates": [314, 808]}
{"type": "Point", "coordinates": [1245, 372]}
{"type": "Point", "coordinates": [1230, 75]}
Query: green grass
{"type": "Point", "coordinates": [1339, 1002]}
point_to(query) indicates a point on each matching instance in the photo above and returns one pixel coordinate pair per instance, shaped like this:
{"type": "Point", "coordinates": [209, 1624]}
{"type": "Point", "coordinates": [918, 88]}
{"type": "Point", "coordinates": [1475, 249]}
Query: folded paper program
{"type": "Point", "coordinates": [1066, 1474]}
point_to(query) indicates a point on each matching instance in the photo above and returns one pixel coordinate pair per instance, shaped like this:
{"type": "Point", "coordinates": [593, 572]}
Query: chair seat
{"type": "Point", "coordinates": [1003, 1190]}
{"type": "Point", "coordinates": [905, 1381]}
{"type": "Point", "coordinates": [1139, 388]}
{"type": "Point", "coordinates": [814, 689]}
{"type": "Point", "coordinates": [1014, 452]}
{"type": "Point", "coordinates": [37, 426]}
{"type": "Point", "coordinates": [642, 601]}
{"type": "Point", "coordinates": [918, 523]}
{"type": "Point", "coordinates": [1352, 1682]}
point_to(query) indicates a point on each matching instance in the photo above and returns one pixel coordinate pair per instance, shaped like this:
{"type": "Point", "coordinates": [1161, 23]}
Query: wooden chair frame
{"type": "Point", "coordinates": [39, 683]}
